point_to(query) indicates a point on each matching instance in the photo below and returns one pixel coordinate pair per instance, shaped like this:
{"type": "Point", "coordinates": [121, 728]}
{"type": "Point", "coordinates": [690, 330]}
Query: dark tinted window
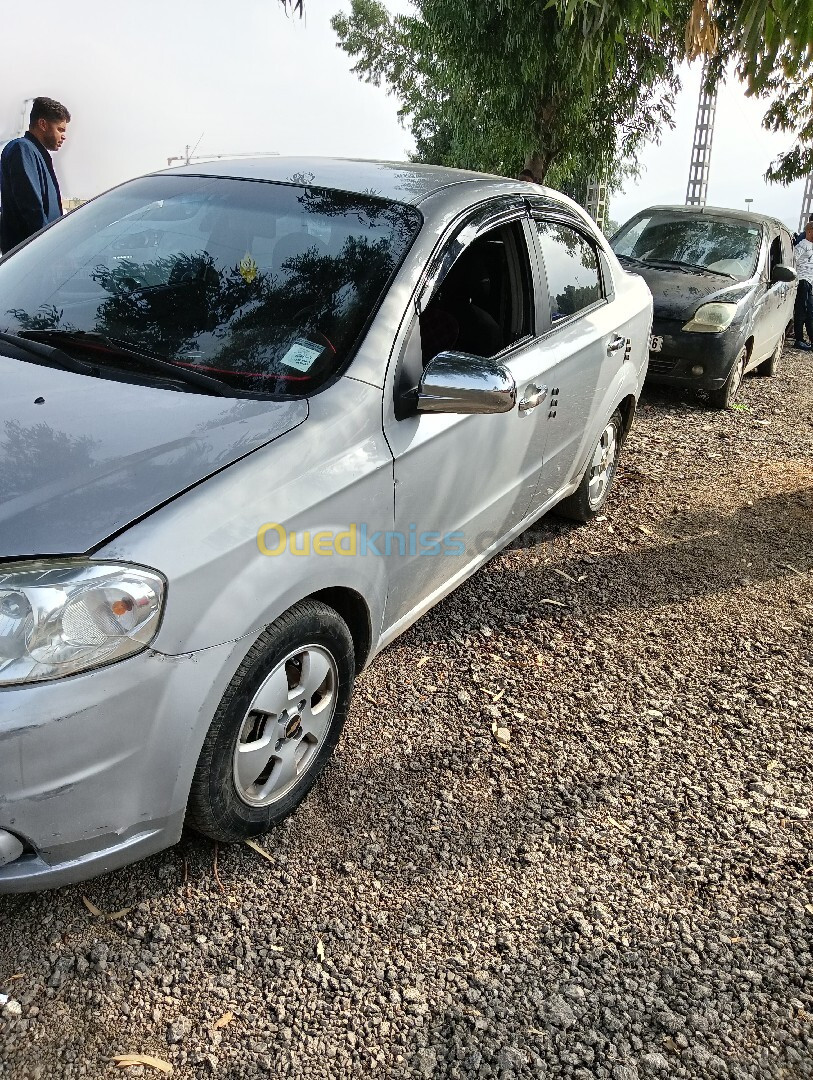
{"type": "Point", "coordinates": [572, 269]}
{"type": "Point", "coordinates": [483, 304]}
{"type": "Point", "coordinates": [267, 287]}
{"type": "Point", "coordinates": [776, 253]}
{"type": "Point", "coordinates": [727, 247]}
{"type": "Point", "coordinates": [787, 249]}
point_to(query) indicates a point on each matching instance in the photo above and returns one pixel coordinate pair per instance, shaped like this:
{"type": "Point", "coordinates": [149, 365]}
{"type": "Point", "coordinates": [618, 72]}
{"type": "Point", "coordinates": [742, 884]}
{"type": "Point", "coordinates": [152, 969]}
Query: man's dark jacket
{"type": "Point", "coordinates": [29, 191]}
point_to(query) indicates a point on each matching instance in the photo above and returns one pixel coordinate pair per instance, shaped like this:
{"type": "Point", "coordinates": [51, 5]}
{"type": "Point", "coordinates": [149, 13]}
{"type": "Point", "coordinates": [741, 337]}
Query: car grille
{"type": "Point", "coordinates": [661, 365]}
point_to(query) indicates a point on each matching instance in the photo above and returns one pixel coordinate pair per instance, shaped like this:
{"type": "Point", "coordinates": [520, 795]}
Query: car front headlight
{"type": "Point", "coordinates": [59, 618]}
{"type": "Point", "coordinates": [712, 318]}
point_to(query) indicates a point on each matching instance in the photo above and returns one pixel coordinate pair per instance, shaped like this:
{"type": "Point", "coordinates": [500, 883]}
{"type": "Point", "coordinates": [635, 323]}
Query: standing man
{"type": "Point", "coordinates": [803, 311]}
{"type": "Point", "coordinates": [29, 190]}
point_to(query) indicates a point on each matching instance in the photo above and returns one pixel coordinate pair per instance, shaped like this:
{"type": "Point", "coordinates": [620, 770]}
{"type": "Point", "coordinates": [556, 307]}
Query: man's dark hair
{"type": "Point", "coordinates": [527, 172]}
{"type": "Point", "coordinates": [45, 108]}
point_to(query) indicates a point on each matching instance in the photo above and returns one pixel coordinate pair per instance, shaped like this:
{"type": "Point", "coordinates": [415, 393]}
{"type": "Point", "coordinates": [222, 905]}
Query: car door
{"type": "Point", "coordinates": [581, 350]}
{"type": "Point", "coordinates": [463, 482]}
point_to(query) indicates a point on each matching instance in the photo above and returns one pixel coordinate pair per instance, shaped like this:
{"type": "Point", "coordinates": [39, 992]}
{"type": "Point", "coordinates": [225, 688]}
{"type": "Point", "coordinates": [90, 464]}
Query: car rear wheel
{"type": "Point", "coordinates": [276, 727]}
{"type": "Point", "coordinates": [723, 397]}
{"type": "Point", "coordinates": [774, 362]}
{"type": "Point", "coordinates": [590, 496]}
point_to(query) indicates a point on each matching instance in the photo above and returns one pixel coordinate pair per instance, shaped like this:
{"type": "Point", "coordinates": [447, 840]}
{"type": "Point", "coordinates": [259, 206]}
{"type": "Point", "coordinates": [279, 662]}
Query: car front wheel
{"type": "Point", "coordinates": [771, 366]}
{"type": "Point", "coordinates": [590, 496]}
{"type": "Point", "coordinates": [724, 396]}
{"type": "Point", "coordinates": [276, 727]}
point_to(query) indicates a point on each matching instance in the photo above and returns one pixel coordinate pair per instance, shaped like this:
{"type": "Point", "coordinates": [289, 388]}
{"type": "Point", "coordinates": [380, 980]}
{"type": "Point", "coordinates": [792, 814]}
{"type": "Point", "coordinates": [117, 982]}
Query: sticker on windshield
{"type": "Point", "coordinates": [302, 355]}
{"type": "Point", "coordinates": [248, 268]}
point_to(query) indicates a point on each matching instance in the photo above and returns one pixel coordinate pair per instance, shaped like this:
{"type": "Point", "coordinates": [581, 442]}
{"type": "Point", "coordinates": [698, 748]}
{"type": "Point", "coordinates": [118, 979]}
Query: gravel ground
{"type": "Point", "coordinates": [622, 891]}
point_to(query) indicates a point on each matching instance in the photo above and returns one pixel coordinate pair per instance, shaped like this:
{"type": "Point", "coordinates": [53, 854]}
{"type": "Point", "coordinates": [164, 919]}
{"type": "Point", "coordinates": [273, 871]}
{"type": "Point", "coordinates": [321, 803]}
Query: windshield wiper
{"type": "Point", "coordinates": [47, 354]}
{"type": "Point", "coordinates": [630, 258]}
{"type": "Point", "coordinates": [689, 266]}
{"type": "Point", "coordinates": [123, 349]}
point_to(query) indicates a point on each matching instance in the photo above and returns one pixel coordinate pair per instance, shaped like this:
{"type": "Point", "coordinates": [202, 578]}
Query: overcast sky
{"type": "Point", "coordinates": [144, 79]}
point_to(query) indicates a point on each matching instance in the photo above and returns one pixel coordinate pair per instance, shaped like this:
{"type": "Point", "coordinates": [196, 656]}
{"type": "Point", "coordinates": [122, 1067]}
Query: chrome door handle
{"type": "Point", "coordinates": [534, 395]}
{"type": "Point", "coordinates": [616, 344]}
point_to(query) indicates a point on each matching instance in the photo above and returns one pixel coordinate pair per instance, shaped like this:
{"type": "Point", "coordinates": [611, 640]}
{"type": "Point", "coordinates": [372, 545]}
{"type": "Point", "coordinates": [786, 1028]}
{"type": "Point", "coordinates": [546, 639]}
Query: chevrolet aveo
{"type": "Point", "coordinates": [257, 418]}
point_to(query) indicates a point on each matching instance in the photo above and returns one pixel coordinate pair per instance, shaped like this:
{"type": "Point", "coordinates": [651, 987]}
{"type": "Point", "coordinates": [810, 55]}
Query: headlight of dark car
{"type": "Point", "coordinates": [712, 318]}
{"type": "Point", "coordinates": [61, 617]}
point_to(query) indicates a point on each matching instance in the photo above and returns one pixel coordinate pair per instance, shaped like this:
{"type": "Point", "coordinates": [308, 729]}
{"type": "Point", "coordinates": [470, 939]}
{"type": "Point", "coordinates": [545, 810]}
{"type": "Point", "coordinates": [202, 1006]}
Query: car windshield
{"type": "Point", "coordinates": [266, 287]}
{"type": "Point", "coordinates": [714, 244]}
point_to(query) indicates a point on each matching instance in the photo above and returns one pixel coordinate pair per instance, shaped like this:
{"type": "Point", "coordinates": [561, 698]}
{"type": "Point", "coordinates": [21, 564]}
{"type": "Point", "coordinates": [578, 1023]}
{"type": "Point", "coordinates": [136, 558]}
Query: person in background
{"type": "Point", "coordinates": [800, 235]}
{"type": "Point", "coordinates": [803, 310]}
{"type": "Point", "coordinates": [527, 176]}
{"type": "Point", "coordinates": [29, 189]}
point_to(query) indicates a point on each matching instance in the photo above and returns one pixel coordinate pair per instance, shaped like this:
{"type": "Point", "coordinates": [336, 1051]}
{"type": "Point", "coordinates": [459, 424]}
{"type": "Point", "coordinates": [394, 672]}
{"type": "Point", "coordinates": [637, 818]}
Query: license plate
{"type": "Point", "coordinates": [655, 343]}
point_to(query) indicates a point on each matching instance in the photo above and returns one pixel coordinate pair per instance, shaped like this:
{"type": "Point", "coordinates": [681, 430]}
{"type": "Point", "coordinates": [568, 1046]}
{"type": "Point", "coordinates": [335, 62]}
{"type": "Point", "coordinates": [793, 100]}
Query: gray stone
{"type": "Point", "coordinates": [625, 1072]}
{"type": "Point", "coordinates": [654, 1063]}
{"type": "Point", "coordinates": [178, 1029]}
{"type": "Point", "coordinates": [425, 1062]}
{"type": "Point", "coordinates": [558, 1012]}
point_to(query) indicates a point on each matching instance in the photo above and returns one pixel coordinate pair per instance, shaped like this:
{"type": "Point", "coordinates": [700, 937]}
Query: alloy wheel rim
{"type": "Point", "coordinates": [285, 725]}
{"type": "Point", "coordinates": [602, 465]}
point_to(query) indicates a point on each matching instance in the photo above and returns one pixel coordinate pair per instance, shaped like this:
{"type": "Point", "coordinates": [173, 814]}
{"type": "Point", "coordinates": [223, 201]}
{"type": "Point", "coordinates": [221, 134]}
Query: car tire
{"type": "Point", "coordinates": [590, 496]}
{"type": "Point", "coordinates": [276, 726]}
{"type": "Point", "coordinates": [772, 365]}
{"type": "Point", "coordinates": [723, 396]}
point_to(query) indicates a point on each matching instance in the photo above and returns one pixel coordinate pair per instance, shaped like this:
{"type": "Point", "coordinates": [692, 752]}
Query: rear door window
{"type": "Point", "coordinates": [572, 269]}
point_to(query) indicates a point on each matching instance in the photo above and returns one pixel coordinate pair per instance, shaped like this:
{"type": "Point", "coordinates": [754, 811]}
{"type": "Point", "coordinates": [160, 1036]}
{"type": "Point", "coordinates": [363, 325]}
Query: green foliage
{"type": "Point", "coordinates": [498, 84]}
{"type": "Point", "coordinates": [770, 45]}
{"type": "Point", "coordinates": [574, 88]}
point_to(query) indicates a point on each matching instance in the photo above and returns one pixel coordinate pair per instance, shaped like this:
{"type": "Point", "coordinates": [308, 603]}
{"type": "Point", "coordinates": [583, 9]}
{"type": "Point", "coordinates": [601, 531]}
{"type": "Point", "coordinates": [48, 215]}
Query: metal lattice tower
{"type": "Point", "coordinates": [807, 204]}
{"type": "Point", "coordinates": [22, 124]}
{"type": "Point", "coordinates": [22, 127]}
{"type": "Point", "coordinates": [701, 148]}
{"type": "Point", "coordinates": [596, 204]}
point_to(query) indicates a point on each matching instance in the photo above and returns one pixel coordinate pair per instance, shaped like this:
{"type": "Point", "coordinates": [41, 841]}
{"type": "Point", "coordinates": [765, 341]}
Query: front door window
{"type": "Point", "coordinates": [483, 305]}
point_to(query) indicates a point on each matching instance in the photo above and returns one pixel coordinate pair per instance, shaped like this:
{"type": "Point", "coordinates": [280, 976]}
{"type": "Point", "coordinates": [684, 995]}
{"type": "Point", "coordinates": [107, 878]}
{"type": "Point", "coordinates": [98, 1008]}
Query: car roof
{"type": "Point", "coordinates": [397, 181]}
{"type": "Point", "coordinates": [718, 212]}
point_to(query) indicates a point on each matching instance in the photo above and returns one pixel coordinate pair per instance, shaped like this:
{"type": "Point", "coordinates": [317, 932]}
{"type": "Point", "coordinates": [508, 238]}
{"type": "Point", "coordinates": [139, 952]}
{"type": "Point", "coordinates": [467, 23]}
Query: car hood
{"type": "Point", "coordinates": [677, 294]}
{"type": "Point", "coordinates": [82, 457]}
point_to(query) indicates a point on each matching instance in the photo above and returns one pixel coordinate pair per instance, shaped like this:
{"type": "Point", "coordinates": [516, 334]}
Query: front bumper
{"type": "Point", "coordinates": [95, 769]}
{"type": "Point", "coordinates": [682, 350]}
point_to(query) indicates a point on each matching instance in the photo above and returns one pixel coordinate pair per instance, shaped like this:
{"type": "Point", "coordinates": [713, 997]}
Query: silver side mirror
{"type": "Point", "coordinates": [458, 383]}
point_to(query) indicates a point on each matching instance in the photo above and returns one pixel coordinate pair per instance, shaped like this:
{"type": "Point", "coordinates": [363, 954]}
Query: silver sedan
{"type": "Point", "coordinates": [258, 417]}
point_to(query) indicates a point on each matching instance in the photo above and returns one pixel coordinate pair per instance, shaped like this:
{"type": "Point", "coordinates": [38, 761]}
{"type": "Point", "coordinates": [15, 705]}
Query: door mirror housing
{"type": "Point", "coordinates": [781, 272]}
{"type": "Point", "coordinates": [456, 382]}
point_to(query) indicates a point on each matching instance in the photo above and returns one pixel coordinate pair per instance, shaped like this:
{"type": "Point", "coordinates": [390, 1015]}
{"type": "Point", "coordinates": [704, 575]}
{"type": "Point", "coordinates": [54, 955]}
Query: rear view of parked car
{"type": "Point", "coordinates": [723, 285]}
{"type": "Point", "coordinates": [257, 418]}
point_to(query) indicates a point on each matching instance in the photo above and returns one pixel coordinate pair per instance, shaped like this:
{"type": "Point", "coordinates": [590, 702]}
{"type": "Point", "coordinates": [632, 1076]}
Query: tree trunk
{"type": "Point", "coordinates": [538, 163]}
{"type": "Point", "coordinates": [541, 159]}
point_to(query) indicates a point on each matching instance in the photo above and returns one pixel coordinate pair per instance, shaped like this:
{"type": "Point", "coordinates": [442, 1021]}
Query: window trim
{"type": "Point", "coordinates": [525, 279]}
{"type": "Point", "coordinates": [464, 230]}
{"type": "Point", "coordinates": [472, 225]}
